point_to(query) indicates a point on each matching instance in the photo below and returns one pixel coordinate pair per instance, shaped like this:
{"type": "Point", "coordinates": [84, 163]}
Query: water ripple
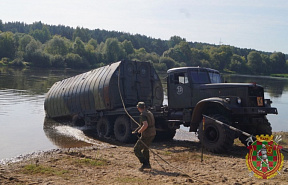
{"type": "Point", "coordinates": [10, 97]}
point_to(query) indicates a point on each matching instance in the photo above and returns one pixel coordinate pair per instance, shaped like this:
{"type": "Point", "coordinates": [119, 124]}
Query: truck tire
{"type": "Point", "coordinates": [122, 129]}
{"type": "Point", "coordinates": [264, 127]}
{"type": "Point", "coordinates": [165, 135]}
{"type": "Point", "coordinates": [216, 138]}
{"type": "Point", "coordinates": [104, 128]}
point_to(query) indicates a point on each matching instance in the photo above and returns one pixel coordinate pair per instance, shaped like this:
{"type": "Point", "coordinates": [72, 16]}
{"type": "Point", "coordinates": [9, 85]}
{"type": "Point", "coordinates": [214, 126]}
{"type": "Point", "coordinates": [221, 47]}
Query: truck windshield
{"type": "Point", "coordinates": [205, 77]}
{"type": "Point", "coordinates": [215, 77]}
{"type": "Point", "coordinates": [200, 77]}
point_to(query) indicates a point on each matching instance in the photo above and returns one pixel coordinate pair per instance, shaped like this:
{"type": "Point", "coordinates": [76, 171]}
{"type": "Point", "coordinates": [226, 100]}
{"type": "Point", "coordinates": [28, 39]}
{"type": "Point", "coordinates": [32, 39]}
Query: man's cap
{"type": "Point", "coordinates": [141, 105]}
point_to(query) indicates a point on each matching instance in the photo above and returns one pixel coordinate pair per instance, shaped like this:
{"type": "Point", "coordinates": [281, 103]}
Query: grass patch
{"type": "Point", "coordinates": [238, 142]}
{"type": "Point", "coordinates": [129, 180]}
{"type": "Point", "coordinates": [284, 136]}
{"type": "Point", "coordinates": [32, 169]}
{"type": "Point", "coordinates": [188, 156]}
{"type": "Point", "coordinates": [167, 153]}
{"type": "Point", "coordinates": [280, 75]}
{"type": "Point", "coordinates": [92, 162]}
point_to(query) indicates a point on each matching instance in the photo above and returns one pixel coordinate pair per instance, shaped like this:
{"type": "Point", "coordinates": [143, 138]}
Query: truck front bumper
{"type": "Point", "coordinates": [254, 110]}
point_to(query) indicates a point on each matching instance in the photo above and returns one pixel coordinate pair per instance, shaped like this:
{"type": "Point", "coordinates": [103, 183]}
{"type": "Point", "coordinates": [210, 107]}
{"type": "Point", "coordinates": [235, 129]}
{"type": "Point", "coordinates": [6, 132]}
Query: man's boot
{"type": "Point", "coordinates": [145, 165]}
{"type": "Point", "coordinates": [142, 168]}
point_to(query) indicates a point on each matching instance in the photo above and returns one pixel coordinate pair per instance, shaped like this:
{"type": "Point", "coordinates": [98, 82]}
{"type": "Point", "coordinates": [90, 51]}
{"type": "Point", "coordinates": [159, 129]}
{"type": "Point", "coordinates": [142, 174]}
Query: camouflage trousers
{"type": "Point", "coordinates": [141, 151]}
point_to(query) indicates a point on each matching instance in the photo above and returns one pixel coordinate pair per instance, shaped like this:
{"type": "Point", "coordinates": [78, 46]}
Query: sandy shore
{"type": "Point", "coordinates": [116, 164]}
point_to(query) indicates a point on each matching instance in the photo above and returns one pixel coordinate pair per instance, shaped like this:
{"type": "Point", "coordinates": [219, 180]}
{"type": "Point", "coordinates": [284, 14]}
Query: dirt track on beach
{"type": "Point", "coordinates": [117, 164]}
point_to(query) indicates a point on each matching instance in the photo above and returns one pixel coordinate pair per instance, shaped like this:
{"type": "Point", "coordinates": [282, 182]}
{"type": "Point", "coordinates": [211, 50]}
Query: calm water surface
{"type": "Point", "coordinates": [24, 129]}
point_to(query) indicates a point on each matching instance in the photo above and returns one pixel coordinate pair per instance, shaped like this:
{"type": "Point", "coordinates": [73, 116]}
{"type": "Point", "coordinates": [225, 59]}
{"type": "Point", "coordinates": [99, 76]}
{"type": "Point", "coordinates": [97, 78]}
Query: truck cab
{"type": "Point", "coordinates": [197, 91]}
{"type": "Point", "coordinates": [183, 85]}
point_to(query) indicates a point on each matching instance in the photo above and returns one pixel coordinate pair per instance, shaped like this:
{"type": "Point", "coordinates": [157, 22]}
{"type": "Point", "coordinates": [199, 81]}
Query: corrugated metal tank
{"type": "Point", "coordinates": [97, 90]}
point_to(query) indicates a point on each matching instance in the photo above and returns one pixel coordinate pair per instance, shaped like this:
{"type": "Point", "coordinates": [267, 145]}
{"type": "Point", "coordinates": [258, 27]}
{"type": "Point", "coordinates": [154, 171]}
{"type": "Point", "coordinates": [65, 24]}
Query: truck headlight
{"type": "Point", "coordinates": [239, 100]}
{"type": "Point", "coordinates": [267, 102]}
{"type": "Point", "coordinates": [228, 100]}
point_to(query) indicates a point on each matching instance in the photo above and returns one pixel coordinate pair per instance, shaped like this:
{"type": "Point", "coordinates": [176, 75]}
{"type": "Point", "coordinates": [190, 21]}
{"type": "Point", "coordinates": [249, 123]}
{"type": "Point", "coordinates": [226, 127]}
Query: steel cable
{"type": "Point", "coordinates": [155, 154]}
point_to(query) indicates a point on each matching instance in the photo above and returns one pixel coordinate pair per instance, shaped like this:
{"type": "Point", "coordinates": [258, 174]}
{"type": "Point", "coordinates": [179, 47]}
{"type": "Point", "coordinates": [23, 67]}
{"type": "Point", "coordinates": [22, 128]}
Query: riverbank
{"type": "Point", "coordinates": [116, 164]}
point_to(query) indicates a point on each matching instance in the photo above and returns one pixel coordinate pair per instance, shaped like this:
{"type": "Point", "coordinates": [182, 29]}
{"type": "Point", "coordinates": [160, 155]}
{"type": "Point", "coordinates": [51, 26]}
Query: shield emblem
{"type": "Point", "coordinates": [264, 159]}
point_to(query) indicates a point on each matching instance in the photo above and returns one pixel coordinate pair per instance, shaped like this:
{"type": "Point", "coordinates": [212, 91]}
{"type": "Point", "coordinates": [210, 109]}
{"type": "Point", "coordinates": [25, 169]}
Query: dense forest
{"type": "Point", "coordinates": [49, 46]}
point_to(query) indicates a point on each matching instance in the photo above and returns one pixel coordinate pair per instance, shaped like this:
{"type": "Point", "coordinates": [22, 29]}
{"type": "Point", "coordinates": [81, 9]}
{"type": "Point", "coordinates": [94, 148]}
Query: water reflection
{"type": "Point", "coordinates": [22, 94]}
{"type": "Point", "coordinates": [273, 85]}
{"type": "Point", "coordinates": [10, 97]}
{"type": "Point", "coordinates": [33, 81]}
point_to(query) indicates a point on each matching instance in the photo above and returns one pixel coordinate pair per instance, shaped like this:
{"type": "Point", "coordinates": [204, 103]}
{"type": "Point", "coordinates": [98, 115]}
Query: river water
{"type": "Point", "coordinates": [24, 129]}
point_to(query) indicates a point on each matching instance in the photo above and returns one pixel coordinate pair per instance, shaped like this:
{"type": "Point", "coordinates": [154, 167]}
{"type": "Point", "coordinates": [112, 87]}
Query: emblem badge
{"type": "Point", "coordinates": [264, 159]}
{"type": "Point", "coordinates": [179, 90]}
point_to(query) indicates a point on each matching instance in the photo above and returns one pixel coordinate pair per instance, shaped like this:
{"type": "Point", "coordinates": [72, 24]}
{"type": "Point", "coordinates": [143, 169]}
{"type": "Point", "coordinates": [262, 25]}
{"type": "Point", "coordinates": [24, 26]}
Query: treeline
{"type": "Point", "coordinates": [42, 45]}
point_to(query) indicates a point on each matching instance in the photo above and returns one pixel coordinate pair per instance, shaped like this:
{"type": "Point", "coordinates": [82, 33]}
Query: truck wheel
{"type": "Point", "coordinates": [104, 127]}
{"type": "Point", "coordinates": [215, 137]}
{"type": "Point", "coordinates": [263, 127]}
{"type": "Point", "coordinates": [122, 129]}
{"type": "Point", "coordinates": [165, 135]}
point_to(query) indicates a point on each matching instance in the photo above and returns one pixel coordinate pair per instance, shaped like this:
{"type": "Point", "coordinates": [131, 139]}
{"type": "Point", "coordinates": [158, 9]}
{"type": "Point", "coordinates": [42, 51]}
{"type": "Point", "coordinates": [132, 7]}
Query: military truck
{"type": "Point", "coordinates": [192, 92]}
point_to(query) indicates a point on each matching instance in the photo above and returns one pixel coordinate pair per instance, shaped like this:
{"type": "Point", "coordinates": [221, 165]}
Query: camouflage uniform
{"type": "Point", "coordinates": [147, 137]}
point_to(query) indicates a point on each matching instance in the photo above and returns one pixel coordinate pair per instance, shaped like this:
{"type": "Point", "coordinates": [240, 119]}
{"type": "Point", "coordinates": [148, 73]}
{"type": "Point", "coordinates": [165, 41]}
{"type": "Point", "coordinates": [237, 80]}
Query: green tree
{"type": "Point", "coordinates": [33, 46]}
{"type": "Point", "coordinates": [128, 47]}
{"type": "Point", "coordinates": [180, 53]}
{"type": "Point", "coordinates": [30, 49]}
{"type": "Point", "coordinates": [112, 50]}
{"type": "Point", "coordinates": [151, 57]}
{"type": "Point", "coordinates": [24, 41]}
{"type": "Point", "coordinates": [75, 61]}
{"type": "Point", "coordinates": [278, 62]}
{"type": "Point", "coordinates": [266, 60]}
{"type": "Point", "coordinates": [79, 47]}
{"type": "Point", "coordinates": [222, 57]}
{"type": "Point", "coordinates": [169, 62]}
{"type": "Point", "coordinates": [93, 43]}
{"type": "Point", "coordinates": [82, 33]}
{"type": "Point", "coordinates": [139, 54]}
{"type": "Point", "coordinates": [7, 45]}
{"type": "Point", "coordinates": [58, 61]}
{"type": "Point", "coordinates": [90, 54]}
{"type": "Point", "coordinates": [238, 63]}
{"type": "Point", "coordinates": [142, 55]}
{"type": "Point", "coordinates": [40, 59]}
{"type": "Point", "coordinates": [205, 63]}
{"type": "Point", "coordinates": [158, 46]}
{"type": "Point", "coordinates": [1, 25]}
{"type": "Point", "coordinates": [174, 40]}
{"type": "Point", "coordinates": [42, 35]}
{"type": "Point", "coordinates": [255, 63]}
{"type": "Point", "coordinates": [160, 66]}
{"type": "Point", "coordinates": [57, 46]}
{"type": "Point", "coordinates": [198, 55]}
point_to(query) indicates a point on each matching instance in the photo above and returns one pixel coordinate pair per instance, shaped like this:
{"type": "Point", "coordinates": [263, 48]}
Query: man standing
{"type": "Point", "coordinates": [148, 132]}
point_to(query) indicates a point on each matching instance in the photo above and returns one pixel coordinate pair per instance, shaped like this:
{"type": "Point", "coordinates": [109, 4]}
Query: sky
{"type": "Point", "coordinates": [253, 24]}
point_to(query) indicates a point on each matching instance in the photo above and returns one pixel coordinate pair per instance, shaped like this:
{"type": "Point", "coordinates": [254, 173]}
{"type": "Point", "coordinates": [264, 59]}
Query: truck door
{"type": "Point", "coordinates": [179, 91]}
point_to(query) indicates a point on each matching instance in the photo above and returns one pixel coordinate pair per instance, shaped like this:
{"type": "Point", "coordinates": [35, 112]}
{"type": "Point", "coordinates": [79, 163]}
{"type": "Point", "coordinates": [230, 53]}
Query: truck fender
{"type": "Point", "coordinates": [200, 108]}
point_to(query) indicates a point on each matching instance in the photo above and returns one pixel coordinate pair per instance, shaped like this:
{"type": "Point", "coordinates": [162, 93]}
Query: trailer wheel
{"type": "Point", "coordinates": [122, 129]}
{"type": "Point", "coordinates": [104, 127]}
{"type": "Point", "coordinates": [215, 137]}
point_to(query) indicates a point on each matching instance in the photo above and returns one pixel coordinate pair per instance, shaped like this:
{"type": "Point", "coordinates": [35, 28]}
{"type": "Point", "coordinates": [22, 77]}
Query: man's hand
{"type": "Point", "coordinates": [135, 132]}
